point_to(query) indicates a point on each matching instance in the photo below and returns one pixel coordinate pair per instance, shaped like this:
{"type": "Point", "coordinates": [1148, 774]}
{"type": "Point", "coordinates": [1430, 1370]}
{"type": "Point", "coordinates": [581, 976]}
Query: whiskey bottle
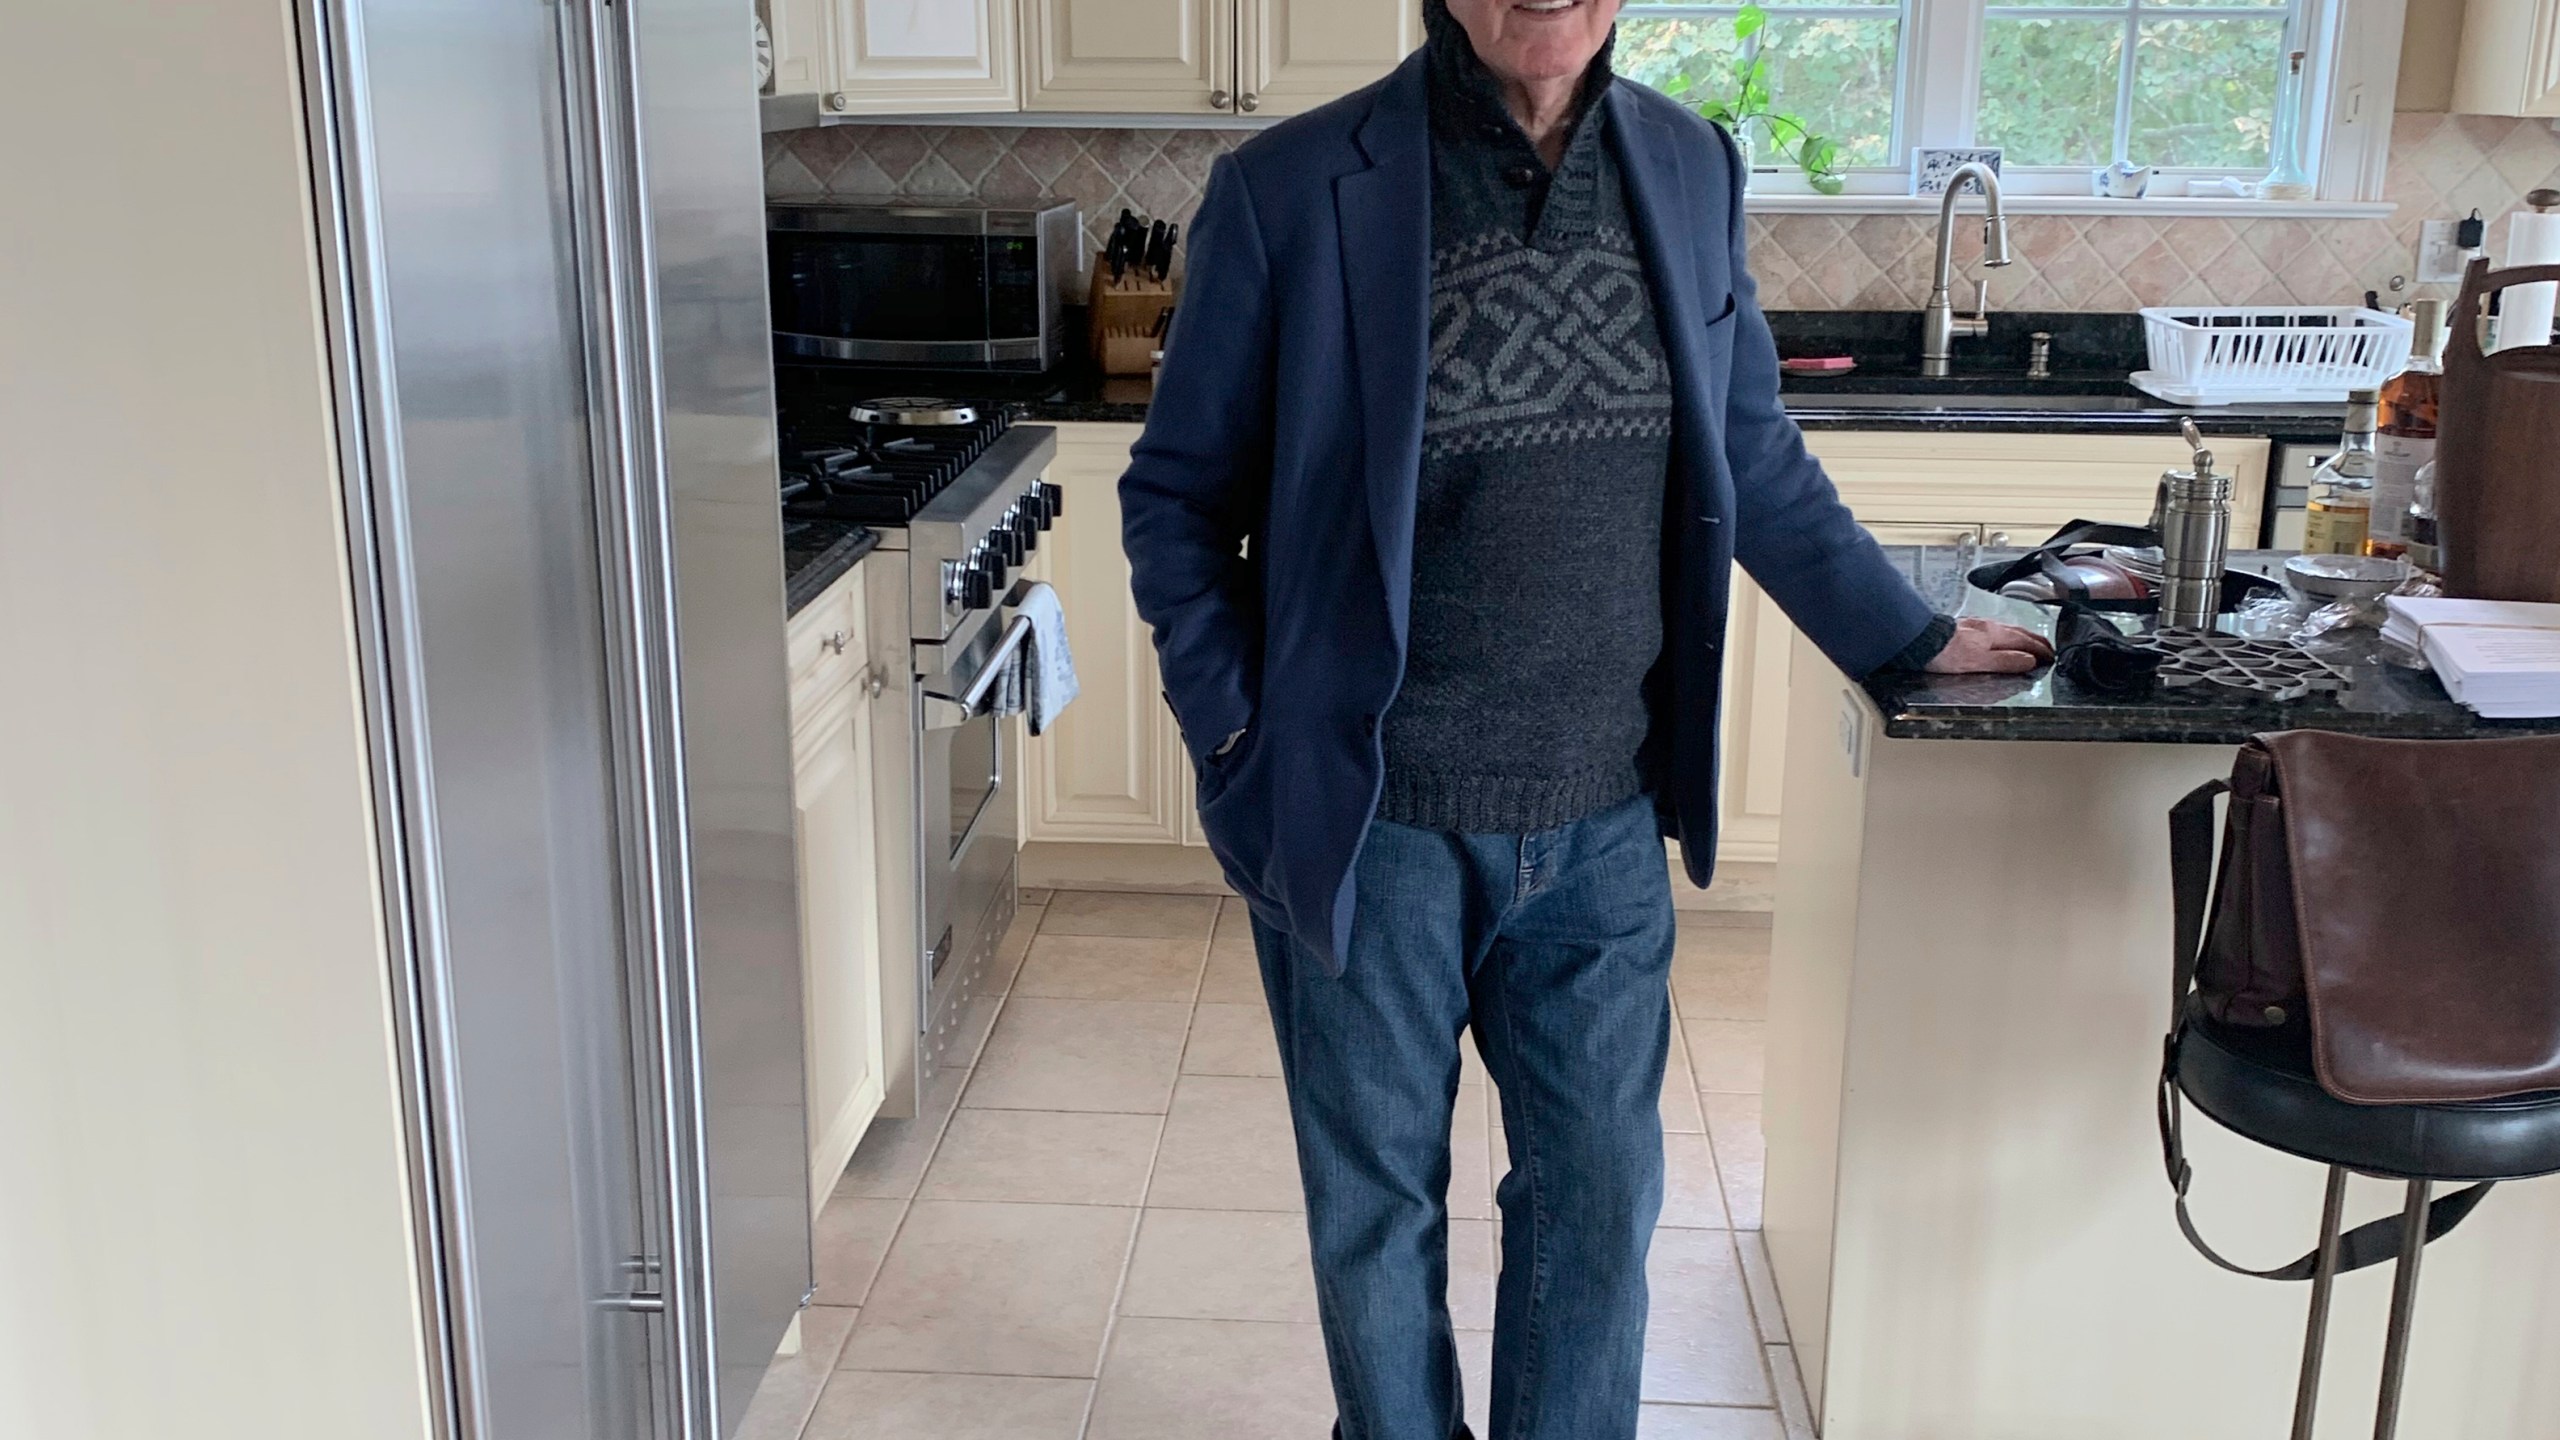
{"type": "Point", "coordinates": [2408, 433]}
{"type": "Point", "coordinates": [2341, 507]}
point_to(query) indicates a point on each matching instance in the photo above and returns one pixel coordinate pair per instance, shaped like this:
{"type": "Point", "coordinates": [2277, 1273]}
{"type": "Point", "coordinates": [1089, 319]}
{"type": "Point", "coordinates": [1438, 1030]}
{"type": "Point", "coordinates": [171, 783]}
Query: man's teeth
{"type": "Point", "coordinates": [1547, 7]}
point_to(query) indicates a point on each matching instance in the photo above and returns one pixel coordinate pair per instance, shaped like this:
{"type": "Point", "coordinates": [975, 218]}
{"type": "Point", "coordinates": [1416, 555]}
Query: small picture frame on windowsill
{"type": "Point", "coordinates": [1932, 167]}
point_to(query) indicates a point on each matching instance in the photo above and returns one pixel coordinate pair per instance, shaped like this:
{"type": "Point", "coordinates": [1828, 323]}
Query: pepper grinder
{"type": "Point", "coordinates": [2195, 534]}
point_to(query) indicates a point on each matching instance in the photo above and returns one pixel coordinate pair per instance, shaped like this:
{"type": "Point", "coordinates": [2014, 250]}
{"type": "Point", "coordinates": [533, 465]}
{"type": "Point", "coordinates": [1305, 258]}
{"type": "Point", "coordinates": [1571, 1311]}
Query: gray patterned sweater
{"type": "Point", "coordinates": [1537, 594]}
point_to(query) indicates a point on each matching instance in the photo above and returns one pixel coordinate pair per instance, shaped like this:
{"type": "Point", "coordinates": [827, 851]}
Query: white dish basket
{"type": "Point", "coordinates": [2260, 354]}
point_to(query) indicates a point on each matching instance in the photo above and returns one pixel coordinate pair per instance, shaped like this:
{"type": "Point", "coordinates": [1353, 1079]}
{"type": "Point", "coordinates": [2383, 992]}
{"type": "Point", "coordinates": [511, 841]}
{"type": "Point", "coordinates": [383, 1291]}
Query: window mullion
{"type": "Point", "coordinates": [1942, 74]}
{"type": "Point", "coordinates": [2124, 82]}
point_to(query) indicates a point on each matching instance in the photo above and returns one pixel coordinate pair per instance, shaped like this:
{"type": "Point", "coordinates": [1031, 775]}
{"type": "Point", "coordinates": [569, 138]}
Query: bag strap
{"type": "Point", "coordinates": [2191, 887]}
{"type": "Point", "coordinates": [2371, 1243]}
{"type": "Point", "coordinates": [2191, 847]}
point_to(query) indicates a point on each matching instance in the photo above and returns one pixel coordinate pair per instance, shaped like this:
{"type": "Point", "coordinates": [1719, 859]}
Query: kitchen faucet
{"type": "Point", "coordinates": [1939, 322]}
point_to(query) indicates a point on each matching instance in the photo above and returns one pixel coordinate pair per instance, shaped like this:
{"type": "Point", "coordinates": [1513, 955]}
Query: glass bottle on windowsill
{"type": "Point", "coordinates": [2287, 177]}
{"type": "Point", "coordinates": [2342, 488]}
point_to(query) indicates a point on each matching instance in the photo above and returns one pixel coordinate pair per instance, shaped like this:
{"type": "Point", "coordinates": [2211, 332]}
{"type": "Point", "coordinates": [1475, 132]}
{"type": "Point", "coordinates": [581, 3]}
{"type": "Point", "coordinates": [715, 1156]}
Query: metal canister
{"type": "Point", "coordinates": [2195, 538]}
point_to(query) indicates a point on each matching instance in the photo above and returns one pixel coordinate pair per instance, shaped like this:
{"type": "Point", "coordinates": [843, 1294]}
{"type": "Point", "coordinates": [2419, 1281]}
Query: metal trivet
{"type": "Point", "coordinates": [2274, 670]}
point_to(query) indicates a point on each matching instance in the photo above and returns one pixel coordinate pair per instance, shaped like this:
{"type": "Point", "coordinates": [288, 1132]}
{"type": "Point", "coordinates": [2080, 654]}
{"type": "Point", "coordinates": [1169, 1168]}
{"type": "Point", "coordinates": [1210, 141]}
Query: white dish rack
{"type": "Point", "coordinates": [2269, 354]}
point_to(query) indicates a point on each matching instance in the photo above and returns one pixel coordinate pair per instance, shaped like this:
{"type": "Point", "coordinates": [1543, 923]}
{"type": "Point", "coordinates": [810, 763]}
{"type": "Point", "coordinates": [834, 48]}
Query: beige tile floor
{"type": "Point", "coordinates": [1093, 1231]}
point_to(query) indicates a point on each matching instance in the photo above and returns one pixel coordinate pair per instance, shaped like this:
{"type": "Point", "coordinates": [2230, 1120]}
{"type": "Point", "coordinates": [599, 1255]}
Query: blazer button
{"type": "Point", "coordinates": [1520, 177]}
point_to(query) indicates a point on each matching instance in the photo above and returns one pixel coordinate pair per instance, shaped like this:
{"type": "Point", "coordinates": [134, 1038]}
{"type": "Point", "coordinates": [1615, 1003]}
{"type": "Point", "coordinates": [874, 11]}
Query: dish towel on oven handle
{"type": "Point", "coordinates": [1044, 670]}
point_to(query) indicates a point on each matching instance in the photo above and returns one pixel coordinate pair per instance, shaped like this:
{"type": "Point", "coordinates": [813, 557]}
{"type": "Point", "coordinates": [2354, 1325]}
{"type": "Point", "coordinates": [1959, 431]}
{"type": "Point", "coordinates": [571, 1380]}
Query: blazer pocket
{"type": "Point", "coordinates": [1719, 333]}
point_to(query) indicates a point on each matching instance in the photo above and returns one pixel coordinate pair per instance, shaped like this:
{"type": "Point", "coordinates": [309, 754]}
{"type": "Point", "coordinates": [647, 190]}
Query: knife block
{"type": "Point", "coordinates": [1123, 316]}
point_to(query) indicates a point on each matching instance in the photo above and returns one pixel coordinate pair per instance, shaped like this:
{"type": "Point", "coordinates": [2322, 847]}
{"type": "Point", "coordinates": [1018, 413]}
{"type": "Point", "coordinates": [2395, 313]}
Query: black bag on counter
{"type": "Point", "coordinates": [2050, 560]}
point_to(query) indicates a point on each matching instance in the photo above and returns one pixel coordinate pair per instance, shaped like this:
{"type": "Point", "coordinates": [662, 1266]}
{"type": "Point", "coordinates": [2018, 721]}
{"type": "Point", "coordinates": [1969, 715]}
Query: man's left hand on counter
{"type": "Point", "coordinates": [1989, 647]}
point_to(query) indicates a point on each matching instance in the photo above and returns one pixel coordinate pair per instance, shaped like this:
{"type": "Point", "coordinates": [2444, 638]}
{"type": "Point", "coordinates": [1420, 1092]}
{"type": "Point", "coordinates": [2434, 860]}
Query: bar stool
{"type": "Point", "coordinates": [2260, 1084]}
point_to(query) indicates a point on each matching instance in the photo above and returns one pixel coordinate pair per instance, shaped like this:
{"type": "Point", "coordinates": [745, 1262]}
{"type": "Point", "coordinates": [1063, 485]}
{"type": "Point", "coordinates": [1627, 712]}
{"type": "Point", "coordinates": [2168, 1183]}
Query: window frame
{"type": "Point", "coordinates": [2350, 74]}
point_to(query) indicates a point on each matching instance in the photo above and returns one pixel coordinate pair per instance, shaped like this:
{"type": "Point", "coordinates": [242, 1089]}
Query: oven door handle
{"type": "Point", "coordinates": [947, 712]}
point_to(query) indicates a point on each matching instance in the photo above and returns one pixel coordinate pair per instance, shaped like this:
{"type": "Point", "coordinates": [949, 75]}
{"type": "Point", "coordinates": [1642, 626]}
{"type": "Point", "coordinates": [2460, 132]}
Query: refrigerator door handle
{"type": "Point", "coordinates": [621, 314]}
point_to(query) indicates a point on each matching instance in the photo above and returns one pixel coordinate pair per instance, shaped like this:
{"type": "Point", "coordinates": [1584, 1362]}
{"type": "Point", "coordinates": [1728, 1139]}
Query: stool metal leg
{"type": "Point", "coordinates": [2404, 1306]}
{"type": "Point", "coordinates": [2315, 1344]}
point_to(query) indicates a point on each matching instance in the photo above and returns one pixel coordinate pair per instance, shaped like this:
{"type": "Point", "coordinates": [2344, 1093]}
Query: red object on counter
{"type": "Point", "coordinates": [1818, 365]}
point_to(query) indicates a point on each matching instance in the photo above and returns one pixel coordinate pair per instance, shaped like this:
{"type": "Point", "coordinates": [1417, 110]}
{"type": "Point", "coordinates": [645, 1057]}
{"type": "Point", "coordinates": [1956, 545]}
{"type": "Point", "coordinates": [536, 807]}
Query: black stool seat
{"type": "Point", "coordinates": [2260, 1083]}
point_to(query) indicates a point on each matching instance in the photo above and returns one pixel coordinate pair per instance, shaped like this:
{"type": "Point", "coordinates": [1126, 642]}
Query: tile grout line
{"type": "Point", "coordinates": [1138, 1219]}
{"type": "Point", "coordinates": [907, 1205]}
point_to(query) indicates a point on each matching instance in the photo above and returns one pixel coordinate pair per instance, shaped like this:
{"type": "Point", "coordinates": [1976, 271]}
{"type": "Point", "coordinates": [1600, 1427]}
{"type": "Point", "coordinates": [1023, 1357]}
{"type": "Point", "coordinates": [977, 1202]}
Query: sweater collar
{"type": "Point", "coordinates": [1468, 118]}
{"type": "Point", "coordinates": [1464, 90]}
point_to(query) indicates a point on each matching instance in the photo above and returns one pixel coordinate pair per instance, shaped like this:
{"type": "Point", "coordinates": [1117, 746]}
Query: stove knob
{"type": "Point", "coordinates": [1053, 503]}
{"type": "Point", "coordinates": [977, 586]}
{"type": "Point", "coordinates": [1026, 523]}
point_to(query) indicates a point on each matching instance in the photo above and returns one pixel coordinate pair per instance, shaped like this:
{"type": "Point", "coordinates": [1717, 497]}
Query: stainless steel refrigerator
{"type": "Point", "coordinates": [541, 224]}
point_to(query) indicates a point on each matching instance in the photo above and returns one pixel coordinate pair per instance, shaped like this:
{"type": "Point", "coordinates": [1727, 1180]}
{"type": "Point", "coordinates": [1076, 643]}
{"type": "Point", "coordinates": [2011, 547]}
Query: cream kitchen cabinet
{"type": "Point", "coordinates": [797, 30]}
{"type": "Point", "coordinates": [1208, 57]}
{"type": "Point", "coordinates": [2509, 63]}
{"type": "Point", "coordinates": [918, 57]}
{"type": "Point", "coordinates": [1113, 767]}
{"type": "Point", "coordinates": [834, 680]}
{"type": "Point", "coordinates": [1934, 489]}
{"type": "Point", "coordinates": [1163, 57]}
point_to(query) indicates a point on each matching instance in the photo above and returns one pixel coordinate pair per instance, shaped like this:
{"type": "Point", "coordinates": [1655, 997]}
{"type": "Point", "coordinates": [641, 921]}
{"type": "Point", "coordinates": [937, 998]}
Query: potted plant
{"type": "Point", "coordinates": [1741, 105]}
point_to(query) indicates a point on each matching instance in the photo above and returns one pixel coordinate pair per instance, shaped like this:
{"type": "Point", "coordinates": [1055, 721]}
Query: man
{"type": "Point", "coordinates": [1466, 415]}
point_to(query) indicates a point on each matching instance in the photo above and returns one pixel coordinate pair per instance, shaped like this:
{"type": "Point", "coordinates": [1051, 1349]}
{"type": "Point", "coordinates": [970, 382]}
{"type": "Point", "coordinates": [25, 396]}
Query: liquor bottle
{"type": "Point", "coordinates": [2342, 488]}
{"type": "Point", "coordinates": [2408, 432]}
{"type": "Point", "coordinates": [2424, 551]}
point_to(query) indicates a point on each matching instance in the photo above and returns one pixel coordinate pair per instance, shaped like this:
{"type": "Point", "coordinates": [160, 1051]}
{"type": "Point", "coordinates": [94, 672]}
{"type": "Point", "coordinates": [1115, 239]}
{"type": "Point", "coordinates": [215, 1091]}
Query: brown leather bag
{"type": "Point", "coordinates": [2400, 900]}
{"type": "Point", "coordinates": [2402, 896]}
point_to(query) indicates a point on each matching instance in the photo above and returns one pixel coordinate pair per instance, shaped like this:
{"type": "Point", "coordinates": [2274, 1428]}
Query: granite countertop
{"type": "Point", "coordinates": [2381, 698]}
{"type": "Point", "coordinates": [2102, 404]}
{"type": "Point", "coordinates": [816, 554]}
{"type": "Point", "coordinates": [2091, 355]}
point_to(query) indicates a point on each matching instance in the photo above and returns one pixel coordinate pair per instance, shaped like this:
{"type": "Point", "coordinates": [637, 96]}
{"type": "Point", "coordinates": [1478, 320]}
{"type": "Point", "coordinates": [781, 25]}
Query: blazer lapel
{"type": "Point", "coordinates": [1657, 192]}
{"type": "Point", "coordinates": [1385, 216]}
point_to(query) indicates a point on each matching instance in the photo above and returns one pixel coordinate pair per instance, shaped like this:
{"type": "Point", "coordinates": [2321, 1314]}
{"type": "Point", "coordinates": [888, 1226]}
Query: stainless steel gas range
{"type": "Point", "coordinates": [957, 496]}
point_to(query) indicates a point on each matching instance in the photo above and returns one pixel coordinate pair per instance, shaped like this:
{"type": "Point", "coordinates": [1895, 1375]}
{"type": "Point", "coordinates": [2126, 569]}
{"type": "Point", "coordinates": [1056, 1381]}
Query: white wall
{"type": "Point", "coordinates": [203, 1226]}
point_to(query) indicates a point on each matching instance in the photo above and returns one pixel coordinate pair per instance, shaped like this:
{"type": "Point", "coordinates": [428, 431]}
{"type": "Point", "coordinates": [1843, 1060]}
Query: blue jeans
{"type": "Point", "coordinates": [1556, 948]}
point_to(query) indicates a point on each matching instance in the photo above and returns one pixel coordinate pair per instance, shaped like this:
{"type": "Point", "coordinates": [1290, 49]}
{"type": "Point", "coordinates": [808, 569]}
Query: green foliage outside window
{"type": "Point", "coordinates": [1797, 76]}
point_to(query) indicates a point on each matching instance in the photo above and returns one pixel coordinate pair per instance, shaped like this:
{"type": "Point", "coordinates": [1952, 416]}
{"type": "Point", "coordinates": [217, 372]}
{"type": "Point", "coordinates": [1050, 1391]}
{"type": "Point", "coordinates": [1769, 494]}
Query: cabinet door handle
{"type": "Point", "coordinates": [834, 644]}
{"type": "Point", "coordinates": [1248, 102]}
{"type": "Point", "coordinates": [878, 681]}
{"type": "Point", "coordinates": [839, 100]}
{"type": "Point", "coordinates": [1997, 538]}
{"type": "Point", "coordinates": [1219, 99]}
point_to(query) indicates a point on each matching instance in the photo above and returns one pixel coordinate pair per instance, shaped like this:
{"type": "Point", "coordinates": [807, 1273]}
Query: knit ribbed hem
{"type": "Point", "coordinates": [1503, 804]}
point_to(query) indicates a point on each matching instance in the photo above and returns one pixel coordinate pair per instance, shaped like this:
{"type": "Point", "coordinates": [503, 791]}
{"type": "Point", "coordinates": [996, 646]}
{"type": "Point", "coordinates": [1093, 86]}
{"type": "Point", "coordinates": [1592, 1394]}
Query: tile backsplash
{"type": "Point", "coordinates": [2442, 167]}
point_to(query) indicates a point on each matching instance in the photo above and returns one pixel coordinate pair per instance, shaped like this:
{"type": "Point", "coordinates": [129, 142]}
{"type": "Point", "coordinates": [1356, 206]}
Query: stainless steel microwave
{"type": "Point", "coordinates": [954, 283]}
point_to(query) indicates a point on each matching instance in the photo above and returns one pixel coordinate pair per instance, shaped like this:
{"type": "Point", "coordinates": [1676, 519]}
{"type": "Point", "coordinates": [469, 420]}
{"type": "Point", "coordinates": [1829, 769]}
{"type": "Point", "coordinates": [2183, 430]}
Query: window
{"type": "Point", "coordinates": [2060, 85]}
{"type": "Point", "coordinates": [2174, 85]}
{"type": "Point", "coordinates": [1837, 66]}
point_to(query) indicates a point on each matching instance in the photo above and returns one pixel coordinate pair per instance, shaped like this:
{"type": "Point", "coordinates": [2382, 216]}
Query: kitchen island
{"type": "Point", "coordinates": [1965, 1206]}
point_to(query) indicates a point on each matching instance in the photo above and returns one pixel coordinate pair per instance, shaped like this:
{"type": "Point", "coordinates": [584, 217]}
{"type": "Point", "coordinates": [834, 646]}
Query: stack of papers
{"type": "Point", "coordinates": [2499, 657]}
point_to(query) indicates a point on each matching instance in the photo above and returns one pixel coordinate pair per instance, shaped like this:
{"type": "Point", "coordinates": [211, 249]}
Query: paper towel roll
{"type": "Point", "coordinates": [2524, 311]}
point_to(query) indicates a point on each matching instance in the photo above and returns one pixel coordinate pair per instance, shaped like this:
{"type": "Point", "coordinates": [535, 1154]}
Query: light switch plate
{"type": "Point", "coordinates": [2439, 254]}
{"type": "Point", "coordinates": [1853, 734]}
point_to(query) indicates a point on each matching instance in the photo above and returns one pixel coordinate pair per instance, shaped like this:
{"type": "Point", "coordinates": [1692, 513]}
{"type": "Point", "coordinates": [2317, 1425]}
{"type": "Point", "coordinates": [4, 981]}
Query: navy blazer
{"type": "Point", "coordinates": [1268, 509]}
